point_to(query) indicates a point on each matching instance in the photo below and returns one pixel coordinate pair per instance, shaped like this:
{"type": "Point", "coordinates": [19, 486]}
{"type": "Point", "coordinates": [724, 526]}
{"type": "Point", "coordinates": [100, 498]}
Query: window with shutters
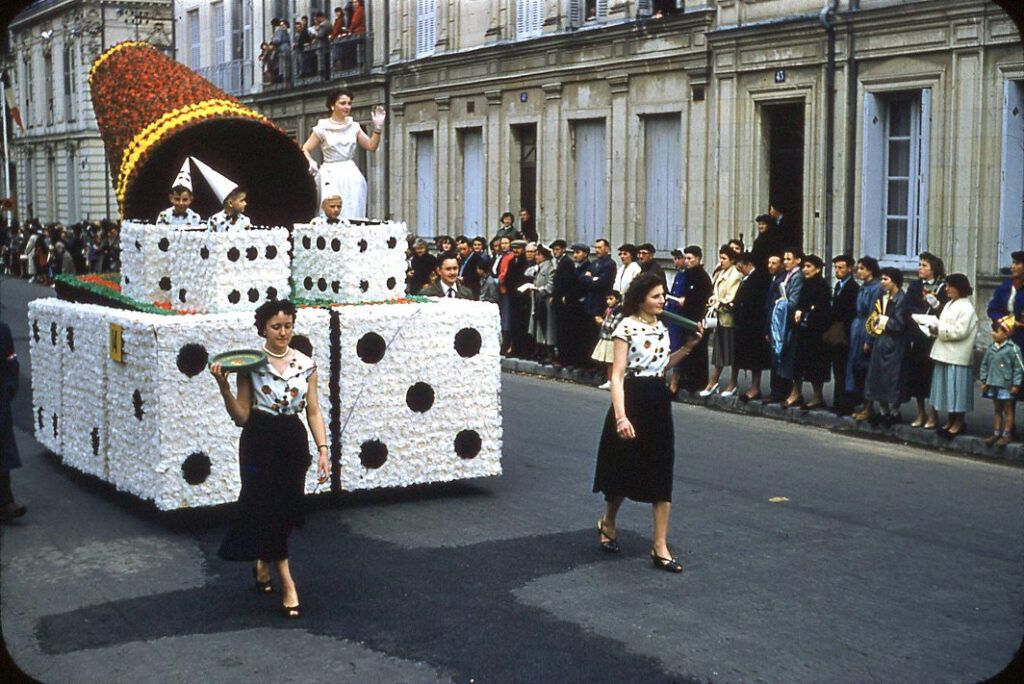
{"type": "Point", "coordinates": [529, 18]}
{"type": "Point", "coordinates": [70, 110]}
{"type": "Point", "coordinates": [473, 182]}
{"type": "Point", "coordinates": [426, 27]}
{"type": "Point", "coordinates": [194, 46]}
{"type": "Point", "coordinates": [71, 176]}
{"type": "Point", "coordinates": [662, 181]}
{"type": "Point", "coordinates": [583, 11]}
{"type": "Point", "coordinates": [424, 144]}
{"type": "Point", "coordinates": [48, 83]}
{"type": "Point", "coordinates": [27, 81]}
{"type": "Point", "coordinates": [219, 33]}
{"type": "Point", "coordinates": [894, 194]}
{"type": "Point", "coordinates": [590, 191]}
{"type": "Point", "coordinates": [1011, 182]}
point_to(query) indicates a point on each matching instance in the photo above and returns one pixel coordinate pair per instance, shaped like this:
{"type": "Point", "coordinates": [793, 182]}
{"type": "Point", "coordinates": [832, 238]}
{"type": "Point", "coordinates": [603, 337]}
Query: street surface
{"type": "Point", "coordinates": [878, 563]}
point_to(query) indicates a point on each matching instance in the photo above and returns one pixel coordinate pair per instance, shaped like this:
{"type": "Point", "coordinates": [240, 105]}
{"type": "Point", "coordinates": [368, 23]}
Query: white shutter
{"type": "Point", "coordinates": [924, 146]}
{"type": "Point", "coordinates": [576, 12]}
{"type": "Point", "coordinates": [529, 18]}
{"type": "Point", "coordinates": [872, 175]}
{"type": "Point", "coordinates": [473, 182]}
{"type": "Point", "coordinates": [602, 9]}
{"type": "Point", "coordinates": [219, 29]}
{"type": "Point", "coordinates": [425, 184]}
{"type": "Point", "coordinates": [661, 193]}
{"type": "Point", "coordinates": [591, 189]}
{"type": "Point", "coordinates": [1011, 172]}
{"type": "Point", "coordinates": [426, 27]}
{"type": "Point", "coordinates": [644, 8]}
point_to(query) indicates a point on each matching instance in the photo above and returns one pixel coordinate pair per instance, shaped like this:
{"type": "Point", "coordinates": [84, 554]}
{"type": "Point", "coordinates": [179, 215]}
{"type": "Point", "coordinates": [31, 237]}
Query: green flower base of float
{"type": "Point", "coordinates": [103, 290]}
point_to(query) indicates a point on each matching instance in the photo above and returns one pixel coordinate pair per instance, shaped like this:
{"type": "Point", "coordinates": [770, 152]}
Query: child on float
{"type": "Point", "coordinates": [331, 211]}
{"type": "Point", "coordinates": [1002, 373]}
{"type": "Point", "coordinates": [232, 198]}
{"type": "Point", "coordinates": [604, 352]}
{"type": "Point", "coordinates": [180, 213]}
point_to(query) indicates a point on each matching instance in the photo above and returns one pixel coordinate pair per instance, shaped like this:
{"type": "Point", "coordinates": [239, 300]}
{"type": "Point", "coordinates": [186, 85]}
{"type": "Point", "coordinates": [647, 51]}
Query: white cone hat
{"type": "Point", "coordinates": [221, 184]}
{"type": "Point", "coordinates": [184, 177]}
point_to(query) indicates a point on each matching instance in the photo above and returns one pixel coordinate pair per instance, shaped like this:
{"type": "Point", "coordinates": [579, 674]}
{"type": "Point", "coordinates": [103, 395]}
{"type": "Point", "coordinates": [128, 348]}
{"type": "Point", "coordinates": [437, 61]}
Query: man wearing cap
{"type": "Point", "coordinates": [1008, 300]}
{"type": "Point", "coordinates": [447, 284]}
{"type": "Point", "coordinates": [179, 213]}
{"type": "Point", "coordinates": [646, 252]}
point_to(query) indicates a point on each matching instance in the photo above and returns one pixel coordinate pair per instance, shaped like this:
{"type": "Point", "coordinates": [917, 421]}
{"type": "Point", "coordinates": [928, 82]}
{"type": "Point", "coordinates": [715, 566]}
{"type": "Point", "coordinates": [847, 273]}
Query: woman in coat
{"type": "Point", "coordinates": [869, 274]}
{"type": "Point", "coordinates": [542, 324]}
{"type": "Point", "coordinates": [811, 318]}
{"type": "Point", "coordinates": [887, 372]}
{"type": "Point", "coordinates": [748, 315]}
{"type": "Point", "coordinates": [952, 386]}
{"type": "Point", "coordinates": [724, 285]}
{"type": "Point", "coordinates": [926, 295]}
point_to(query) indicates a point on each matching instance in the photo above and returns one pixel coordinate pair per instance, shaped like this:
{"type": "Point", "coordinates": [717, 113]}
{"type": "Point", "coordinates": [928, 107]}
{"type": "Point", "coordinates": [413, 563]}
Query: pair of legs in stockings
{"type": "Point", "coordinates": [660, 510]}
{"type": "Point", "coordinates": [289, 595]}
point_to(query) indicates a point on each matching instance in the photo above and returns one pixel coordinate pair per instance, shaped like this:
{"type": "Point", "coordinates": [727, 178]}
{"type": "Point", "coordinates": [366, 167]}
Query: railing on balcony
{"type": "Point", "coordinates": [234, 77]}
{"type": "Point", "coordinates": [315, 63]}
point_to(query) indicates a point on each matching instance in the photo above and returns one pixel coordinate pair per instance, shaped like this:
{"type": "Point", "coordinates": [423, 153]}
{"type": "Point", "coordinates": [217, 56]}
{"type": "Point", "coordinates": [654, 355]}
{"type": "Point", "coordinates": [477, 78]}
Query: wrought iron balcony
{"type": "Point", "coordinates": [315, 63]}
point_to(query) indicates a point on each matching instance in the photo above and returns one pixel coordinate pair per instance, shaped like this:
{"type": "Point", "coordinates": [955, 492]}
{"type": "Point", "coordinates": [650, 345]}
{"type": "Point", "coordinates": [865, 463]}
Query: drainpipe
{"type": "Point", "coordinates": [827, 9]}
{"type": "Point", "coordinates": [387, 107]}
{"type": "Point", "coordinates": [851, 128]}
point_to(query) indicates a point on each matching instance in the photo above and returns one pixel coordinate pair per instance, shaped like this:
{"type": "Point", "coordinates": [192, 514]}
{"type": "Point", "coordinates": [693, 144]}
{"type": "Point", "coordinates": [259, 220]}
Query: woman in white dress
{"type": "Point", "coordinates": [337, 137]}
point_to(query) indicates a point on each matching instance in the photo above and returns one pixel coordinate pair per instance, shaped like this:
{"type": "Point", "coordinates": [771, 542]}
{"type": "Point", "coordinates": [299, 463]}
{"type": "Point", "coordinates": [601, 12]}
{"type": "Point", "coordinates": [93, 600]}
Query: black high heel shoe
{"type": "Point", "coordinates": [261, 587]}
{"type": "Point", "coordinates": [609, 546]}
{"type": "Point", "coordinates": [291, 612]}
{"type": "Point", "coordinates": [666, 564]}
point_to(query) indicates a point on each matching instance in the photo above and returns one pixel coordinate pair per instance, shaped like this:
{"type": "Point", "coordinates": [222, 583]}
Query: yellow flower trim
{"type": "Point", "coordinates": [110, 51]}
{"type": "Point", "coordinates": [155, 132]}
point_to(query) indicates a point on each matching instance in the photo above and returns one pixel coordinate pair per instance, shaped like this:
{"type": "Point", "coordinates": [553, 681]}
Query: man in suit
{"type": "Point", "coordinates": [447, 284]}
{"type": "Point", "coordinates": [693, 370]}
{"type": "Point", "coordinates": [748, 315]}
{"type": "Point", "coordinates": [844, 310]}
{"type": "Point", "coordinates": [596, 280]}
{"type": "Point", "coordinates": [789, 233]}
{"type": "Point", "coordinates": [562, 284]}
{"type": "Point", "coordinates": [468, 259]}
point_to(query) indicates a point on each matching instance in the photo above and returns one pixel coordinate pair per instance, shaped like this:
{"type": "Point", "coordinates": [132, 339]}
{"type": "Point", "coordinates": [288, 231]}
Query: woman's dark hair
{"type": "Point", "coordinates": [509, 214]}
{"type": "Point", "coordinates": [677, 253]}
{"type": "Point", "coordinates": [630, 249]}
{"type": "Point", "coordinates": [736, 241]}
{"type": "Point", "coordinates": [727, 250]}
{"type": "Point", "coordinates": [616, 294]}
{"type": "Point", "coordinates": [961, 283]}
{"type": "Point", "coordinates": [815, 261]}
{"type": "Point", "coordinates": [870, 263]}
{"type": "Point", "coordinates": [938, 268]}
{"type": "Point", "coordinates": [333, 96]}
{"type": "Point", "coordinates": [638, 290]}
{"type": "Point", "coordinates": [271, 308]}
{"type": "Point", "coordinates": [763, 218]}
{"type": "Point", "coordinates": [895, 275]}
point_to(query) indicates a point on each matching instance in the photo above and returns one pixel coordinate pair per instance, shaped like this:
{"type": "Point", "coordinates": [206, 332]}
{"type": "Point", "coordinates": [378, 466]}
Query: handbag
{"type": "Point", "coordinates": [835, 335]}
{"type": "Point", "coordinates": [711, 318]}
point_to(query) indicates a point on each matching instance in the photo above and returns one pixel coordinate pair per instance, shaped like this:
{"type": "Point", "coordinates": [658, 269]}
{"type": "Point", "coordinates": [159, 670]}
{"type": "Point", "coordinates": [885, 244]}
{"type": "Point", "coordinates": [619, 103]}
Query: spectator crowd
{"type": "Point", "coordinates": [783, 316]}
{"type": "Point", "coordinates": [37, 252]}
{"type": "Point", "coordinates": [318, 45]}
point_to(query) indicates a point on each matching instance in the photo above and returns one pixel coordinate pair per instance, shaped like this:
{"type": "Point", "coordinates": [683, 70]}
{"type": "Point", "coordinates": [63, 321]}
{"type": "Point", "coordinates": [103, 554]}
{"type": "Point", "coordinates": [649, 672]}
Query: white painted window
{"type": "Point", "coordinates": [894, 176]}
{"type": "Point", "coordinates": [48, 84]}
{"type": "Point", "coordinates": [71, 173]}
{"type": "Point", "coordinates": [426, 27]}
{"type": "Point", "coordinates": [425, 186]}
{"type": "Point", "coordinates": [662, 181]}
{"type": "Point", "coordinates": [591, 186]}
{"type": "Point", "coordinates": [70, 94]}
{"type": "Point", "coordinates": [583, 11]}
{"type": "Point", "coordinates": [194, 46]}
{"type": "Point", "coordinates": [219, 27]}
{"type": "Point", "coordinates": [1011, 182]}
{"type": "Point", "coordinates": [529, 18]}
{"type": "Point", "coordinates": [472, 182]}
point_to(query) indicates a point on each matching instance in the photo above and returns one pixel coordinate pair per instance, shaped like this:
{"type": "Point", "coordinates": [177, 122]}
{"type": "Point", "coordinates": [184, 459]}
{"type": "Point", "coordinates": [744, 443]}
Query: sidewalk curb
{"type": "Point", "coordinates": [970, 446]}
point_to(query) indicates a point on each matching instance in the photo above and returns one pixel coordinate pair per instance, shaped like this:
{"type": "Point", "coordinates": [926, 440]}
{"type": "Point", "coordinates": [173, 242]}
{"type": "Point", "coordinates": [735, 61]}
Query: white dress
{"type": "Point", "coordinates": [338, 173]}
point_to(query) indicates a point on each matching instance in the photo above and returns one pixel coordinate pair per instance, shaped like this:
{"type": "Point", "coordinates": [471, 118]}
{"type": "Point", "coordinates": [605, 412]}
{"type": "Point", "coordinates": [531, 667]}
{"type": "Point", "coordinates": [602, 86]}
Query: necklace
{"type": "Point", "coordinates": [648, 322]}
{"type": "Point", "coordinates": [276, 356]}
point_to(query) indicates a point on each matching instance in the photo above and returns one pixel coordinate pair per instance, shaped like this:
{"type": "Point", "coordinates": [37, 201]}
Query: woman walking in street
{"type": "Point", "coordinates": [637, 452]}
{"type": "Point", "coordinates": [273, 451]}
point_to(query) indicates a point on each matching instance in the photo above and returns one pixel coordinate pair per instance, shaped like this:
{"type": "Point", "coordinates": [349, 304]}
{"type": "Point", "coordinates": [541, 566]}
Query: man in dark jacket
{"type": "Point", "coordinates": [596, 278]}
{"type": "Point", "coordinates": [519, 302]}
{"type": "Point", "coordinates": [1011, 290]}
{"type": "Point", "coordinates": [751, 350]}
{"type": "Point", "coordinates": [645, 257]}
{"type": "Point", "coordinates": [9, 459]}
{"type": "Point", "coordinates": [468, 259]}
{"type": "Point", "coordinates": [562, 283]}
{"type": "Point", "coordinates": [693, 370]}
{"type": "Point", "coordinates": [779, 387]}
{"type": "Point", "coordinates": [837, 337]}
{"type": "Point", "coordinates": [769, 241]}
{"type": "Point", "coordinates": [572, 319]}
{"type": "Point", "coordinates": [790, 233]}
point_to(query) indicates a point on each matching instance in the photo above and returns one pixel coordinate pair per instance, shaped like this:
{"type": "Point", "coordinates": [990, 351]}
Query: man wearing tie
{"type": "Point", "coordinates": [447, 284]}
{"type": "Point", "coordinates": [837, 337]}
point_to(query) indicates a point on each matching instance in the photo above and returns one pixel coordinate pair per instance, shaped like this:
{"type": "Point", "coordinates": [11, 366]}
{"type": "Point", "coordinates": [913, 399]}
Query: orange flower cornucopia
{"type": "Point", "coordinates": [153, 112]}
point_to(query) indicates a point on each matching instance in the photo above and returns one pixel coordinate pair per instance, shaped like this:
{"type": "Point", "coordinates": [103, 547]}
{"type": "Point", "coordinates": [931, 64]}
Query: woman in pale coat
{"type": "Point", "coordinates": [542, 324]}
{"type": "Point", "coordinates": [630, 268]}
{"type": "Point", "coordinates": [724, 285]}
{"type": "Point", "coordinates": [952, 382]}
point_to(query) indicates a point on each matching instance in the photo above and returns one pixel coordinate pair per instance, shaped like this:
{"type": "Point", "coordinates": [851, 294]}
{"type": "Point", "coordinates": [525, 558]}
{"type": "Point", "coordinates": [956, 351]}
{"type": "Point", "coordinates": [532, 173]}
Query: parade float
{"type": "Point", "coordinates": [410, 386]}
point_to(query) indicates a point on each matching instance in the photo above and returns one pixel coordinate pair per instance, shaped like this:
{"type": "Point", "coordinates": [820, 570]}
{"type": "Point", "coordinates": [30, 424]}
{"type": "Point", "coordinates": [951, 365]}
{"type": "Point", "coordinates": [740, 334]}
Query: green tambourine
{"type": "Point", "coordinates": [239, 360]}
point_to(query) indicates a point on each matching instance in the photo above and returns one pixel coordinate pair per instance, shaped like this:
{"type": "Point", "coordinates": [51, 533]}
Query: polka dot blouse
{"type": "Point", "coordinates": [282, 393]}
{"type": "Point", "coordinates": [648, 347]}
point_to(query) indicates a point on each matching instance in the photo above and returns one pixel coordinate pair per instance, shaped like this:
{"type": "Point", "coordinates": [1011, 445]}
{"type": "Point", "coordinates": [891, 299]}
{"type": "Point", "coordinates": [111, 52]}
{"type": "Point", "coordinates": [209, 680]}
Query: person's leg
{"type": "Point", "coordinates": [796, 394]}
{"type": "Point", "coordinates": [1008, 407]}
{"type": "Point", "coordinates": [755, 384]}
{"type": "Point", "coordinates": [716, 373]}
{"type": "Point", "coordinates": [611, 509]}
{"type": "Point", "coordinates": [289, 595]}
{"type": "Point", "coordinates": [997, 422]}
{"type": "Point", "coordinates": [734, 378]}
{"type": "Point", "coordinates": [922, 415]}
{"type": "Point", "coordinates": [816, 395]}
{"type": "Point", "coordinates": [262, 569]}
{"type": "Point", "coordinates": [661, 511]}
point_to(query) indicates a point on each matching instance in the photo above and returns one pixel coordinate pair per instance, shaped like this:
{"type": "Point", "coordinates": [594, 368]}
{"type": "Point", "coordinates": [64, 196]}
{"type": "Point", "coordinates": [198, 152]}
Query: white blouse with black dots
{"type": "Point", "coordinates": [648, 347]}
{"type": "Point", "coordinates": [282, 393]}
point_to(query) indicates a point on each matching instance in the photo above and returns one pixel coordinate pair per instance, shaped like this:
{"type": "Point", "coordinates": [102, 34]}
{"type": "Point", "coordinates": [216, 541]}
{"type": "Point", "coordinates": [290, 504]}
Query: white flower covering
{"type": "Point", "coordinates": [316, 325]}
{"type": "Point", "coordinates": [419, 349]}
{"type": "Point", "coordinates": [240, 271]}
{"type": "Point", "coordinates": [151, 416]}
{"type": "Point", "coordinates": [330, 262]}
{"type": "Point", "coordinates": [46, 354]}
{"type": "Point", "coordinates": [84, 432]}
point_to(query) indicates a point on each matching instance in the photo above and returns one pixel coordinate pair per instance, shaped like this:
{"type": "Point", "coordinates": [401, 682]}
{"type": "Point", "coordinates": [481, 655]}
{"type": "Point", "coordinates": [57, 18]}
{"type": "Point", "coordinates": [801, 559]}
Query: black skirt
{"type": "Point", "coordinates": [918, 359]}
{"type": "Point", "coordinates": [273, 457]}
{"type": "Point", "coordinates": [641, 468]}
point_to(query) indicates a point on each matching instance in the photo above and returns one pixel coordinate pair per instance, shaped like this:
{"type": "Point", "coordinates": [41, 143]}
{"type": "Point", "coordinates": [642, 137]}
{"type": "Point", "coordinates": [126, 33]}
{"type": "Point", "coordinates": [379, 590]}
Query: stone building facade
{"type": "Point", "coordinates": [60, 167]}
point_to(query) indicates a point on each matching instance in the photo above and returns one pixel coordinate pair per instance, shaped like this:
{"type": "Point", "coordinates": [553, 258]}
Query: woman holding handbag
{"type": "Point", "coordinates": [724, 284]}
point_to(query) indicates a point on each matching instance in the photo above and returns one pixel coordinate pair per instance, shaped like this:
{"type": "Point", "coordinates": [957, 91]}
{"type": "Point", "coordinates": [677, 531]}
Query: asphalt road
{"type": "Point", "coordinates": [883, 563]}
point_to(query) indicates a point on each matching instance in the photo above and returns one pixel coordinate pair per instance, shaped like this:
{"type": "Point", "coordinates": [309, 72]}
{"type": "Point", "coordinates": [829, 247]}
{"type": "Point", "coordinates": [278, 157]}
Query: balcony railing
{"type": "Point", "coordinates": [340, 58]}
{"type": "Point", "coordinates": [234, 77]}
